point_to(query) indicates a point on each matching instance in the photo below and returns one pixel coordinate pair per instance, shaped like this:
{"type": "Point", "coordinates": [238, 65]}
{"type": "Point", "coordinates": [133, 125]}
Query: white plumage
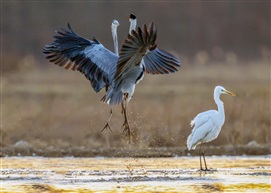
{"type": "Point", "coordinates": [207, 125]}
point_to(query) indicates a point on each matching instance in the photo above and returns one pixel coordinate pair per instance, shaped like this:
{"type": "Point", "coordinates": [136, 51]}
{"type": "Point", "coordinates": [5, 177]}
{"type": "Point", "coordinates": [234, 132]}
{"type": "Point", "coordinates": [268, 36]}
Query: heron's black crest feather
{"type": "Point", "coordinates": [132, 16]}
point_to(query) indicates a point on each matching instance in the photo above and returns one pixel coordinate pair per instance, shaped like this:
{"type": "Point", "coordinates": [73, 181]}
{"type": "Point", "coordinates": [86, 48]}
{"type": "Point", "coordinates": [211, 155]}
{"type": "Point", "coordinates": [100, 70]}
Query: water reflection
{"type": "Point", "coordinates": [229, 174]}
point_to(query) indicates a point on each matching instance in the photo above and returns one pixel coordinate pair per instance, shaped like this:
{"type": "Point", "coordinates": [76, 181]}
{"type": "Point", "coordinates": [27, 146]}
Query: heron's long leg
{"type": "Point", "coordinates": [206, 169]}
{"type": "Point", "coordinates": [125, 125]}
{"type": "Point", "coordinates": [200, 153]}
{"type": "Point", "coordinates": [107, 126]}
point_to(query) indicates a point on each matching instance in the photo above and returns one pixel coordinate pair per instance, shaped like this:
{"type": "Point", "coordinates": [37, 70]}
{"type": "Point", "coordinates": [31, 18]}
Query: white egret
{"type": "Point", "coordinates": [118, 74]}
{"type": "Point", "coordinates": [207, 125]}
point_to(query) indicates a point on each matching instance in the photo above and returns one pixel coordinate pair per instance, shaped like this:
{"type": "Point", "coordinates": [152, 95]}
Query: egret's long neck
{"type": "Point", "coordinates": [115, 39]}
{"type": "Point", "coordinates": [219, 104]}
{"type": "Point", "coordinates": [132, 25]}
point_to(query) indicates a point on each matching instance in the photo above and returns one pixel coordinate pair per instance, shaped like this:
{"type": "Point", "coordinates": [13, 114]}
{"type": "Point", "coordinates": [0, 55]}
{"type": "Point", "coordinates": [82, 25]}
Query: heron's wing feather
{"type": "Point", "coordinates": [135, 48]}
{"type": "Point", "coordinates": [201, 118]}
{"type": "Point", "coordinates": [200, 132]}
{"type": "Point", "coordinates": [159, 61]}
{"type": "Point", "coordinates": [90, 57]}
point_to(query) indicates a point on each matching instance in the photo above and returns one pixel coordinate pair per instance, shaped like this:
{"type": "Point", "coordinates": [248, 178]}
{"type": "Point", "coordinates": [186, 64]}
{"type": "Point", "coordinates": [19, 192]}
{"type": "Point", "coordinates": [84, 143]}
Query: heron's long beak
{"type": "Point", "coordinates": [230, 93]}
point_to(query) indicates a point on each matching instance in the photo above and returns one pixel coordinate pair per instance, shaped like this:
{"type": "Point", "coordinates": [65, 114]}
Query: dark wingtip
{"type": "Point", "coordinates": [154, 27]}
{"type": "Point", "coordinates": [69, 26]}
{"type": "Point", "coordinates": [151, 27]}
{"type": "Point", "coordinates": [132, 16]}
{"type": "Point", "coordinates": [139, 30]}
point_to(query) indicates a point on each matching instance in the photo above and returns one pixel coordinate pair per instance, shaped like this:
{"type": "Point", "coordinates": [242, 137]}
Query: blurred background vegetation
{"type": "Point", "coordinates": [222, 42]}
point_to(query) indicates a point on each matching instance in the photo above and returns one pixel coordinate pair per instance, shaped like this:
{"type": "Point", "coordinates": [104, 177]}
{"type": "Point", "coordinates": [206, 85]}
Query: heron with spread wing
{"type": "Point", "coordinates": [105, 69]}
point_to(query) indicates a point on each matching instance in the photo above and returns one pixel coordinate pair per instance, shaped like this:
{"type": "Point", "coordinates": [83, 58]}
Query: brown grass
{"type": "Point", "coordinates": [55, 107]}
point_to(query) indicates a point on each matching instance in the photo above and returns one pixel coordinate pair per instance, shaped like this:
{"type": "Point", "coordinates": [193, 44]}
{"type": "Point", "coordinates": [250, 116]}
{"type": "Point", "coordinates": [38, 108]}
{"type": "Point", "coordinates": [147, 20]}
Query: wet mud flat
{"type": "Point", "coordinates": [101, 174]}
{"type": "Point", "coordinates": [23, 148]}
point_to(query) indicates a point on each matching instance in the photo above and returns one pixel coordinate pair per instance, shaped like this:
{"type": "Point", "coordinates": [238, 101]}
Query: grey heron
{"type": "Point", "coordinates": [207, 125]}
{"type": "Point", "coordinates": [105, 69]}
{"type": "Point", "coordinates": [114, 26]}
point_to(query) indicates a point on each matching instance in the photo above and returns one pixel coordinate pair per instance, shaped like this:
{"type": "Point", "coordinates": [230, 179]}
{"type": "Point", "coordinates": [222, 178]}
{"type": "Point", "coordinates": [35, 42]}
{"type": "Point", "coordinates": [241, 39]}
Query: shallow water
{"type": "Point", "coordinates": [228, 174]}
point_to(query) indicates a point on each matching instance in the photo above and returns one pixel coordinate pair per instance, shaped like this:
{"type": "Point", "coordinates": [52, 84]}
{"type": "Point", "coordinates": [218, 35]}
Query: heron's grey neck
{"type": "Point", "coordinates": [115, 40]}
{"type": "Point", "coordinates": [132, 25]}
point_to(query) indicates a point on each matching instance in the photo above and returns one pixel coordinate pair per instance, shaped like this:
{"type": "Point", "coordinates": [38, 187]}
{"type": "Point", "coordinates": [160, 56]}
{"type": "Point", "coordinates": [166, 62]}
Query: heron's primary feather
{"type": "Point", "coordinates": [129, 68]}
{"type": "Point", "coordinates": [90, 57]}
{"type": "Point", "coordinates": [159, 61]}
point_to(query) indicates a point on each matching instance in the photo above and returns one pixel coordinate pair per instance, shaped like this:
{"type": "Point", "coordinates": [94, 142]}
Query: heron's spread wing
{"type": "Point", "coordinates": [159, 61]}
{"type": "Point", "coordinates": [90, 57]}
{"type": "Point", "coordinates": [135, 48]}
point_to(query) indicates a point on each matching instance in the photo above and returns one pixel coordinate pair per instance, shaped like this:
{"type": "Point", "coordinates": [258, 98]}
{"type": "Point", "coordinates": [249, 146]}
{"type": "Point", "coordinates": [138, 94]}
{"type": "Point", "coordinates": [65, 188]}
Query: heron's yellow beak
{"type": "Point", "coordinates": [230, 93]}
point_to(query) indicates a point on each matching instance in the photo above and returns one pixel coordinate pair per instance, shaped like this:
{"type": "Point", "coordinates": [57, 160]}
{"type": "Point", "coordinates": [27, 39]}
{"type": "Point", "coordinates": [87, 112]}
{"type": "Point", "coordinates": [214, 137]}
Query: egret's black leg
{"type": "Point", "coordinates": [200, 153]}
{"type": "Point", "coordinates": [125, 126]}
{"type": "Point", "coordinates": [206, 169]}
{"type": "Point", "coordinates": [107, 126]}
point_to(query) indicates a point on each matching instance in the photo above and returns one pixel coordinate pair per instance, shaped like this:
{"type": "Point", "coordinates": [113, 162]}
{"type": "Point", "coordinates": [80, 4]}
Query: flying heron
{"type": "Point", "coordinates": [114, 26]}
{"type": "Point", "coordinates": [118, 74]}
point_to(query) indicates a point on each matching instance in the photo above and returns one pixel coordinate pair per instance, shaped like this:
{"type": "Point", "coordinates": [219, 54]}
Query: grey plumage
{"type": "Point", "coordinates": [129, 66]}
{"type": "Point", "coordinates": [104, 68]}
{"type": "Point", "coordinates": [90, 57]}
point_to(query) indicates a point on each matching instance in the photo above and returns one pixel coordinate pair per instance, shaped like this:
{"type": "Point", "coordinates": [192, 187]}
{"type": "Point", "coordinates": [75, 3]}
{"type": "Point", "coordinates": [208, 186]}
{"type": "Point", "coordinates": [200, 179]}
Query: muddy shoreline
{"type": "Point", "coordinates": [84, 151]}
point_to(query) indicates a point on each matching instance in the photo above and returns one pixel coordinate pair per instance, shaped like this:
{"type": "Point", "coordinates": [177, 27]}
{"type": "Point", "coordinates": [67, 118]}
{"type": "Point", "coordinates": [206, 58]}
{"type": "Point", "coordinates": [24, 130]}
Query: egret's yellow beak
{"type": "Point", "coordinates": [230, 93]}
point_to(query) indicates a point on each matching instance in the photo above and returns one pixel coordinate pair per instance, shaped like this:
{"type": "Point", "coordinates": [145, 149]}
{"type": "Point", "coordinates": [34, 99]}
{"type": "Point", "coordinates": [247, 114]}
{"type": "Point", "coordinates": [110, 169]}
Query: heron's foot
{"type": "Point", "coordinates": [107, 126]}
{"type": "Point", "coordinates": [126, 129]}
{"type": "Point", "coordinates": [204, 170]}
{"type": "Point", "coordinates": [201, 169]}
